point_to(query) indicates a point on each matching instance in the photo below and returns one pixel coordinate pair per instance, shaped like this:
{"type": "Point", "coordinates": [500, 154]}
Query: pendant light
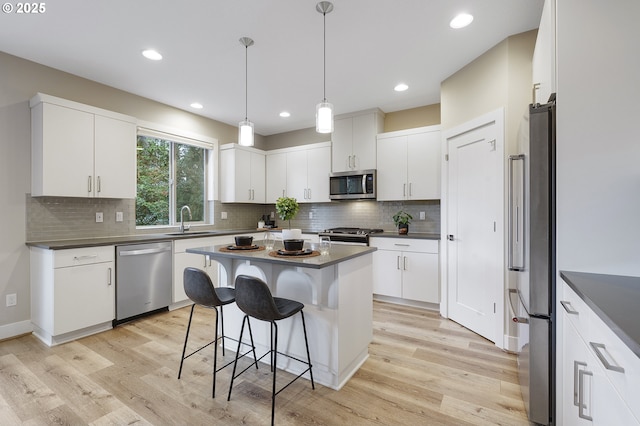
{"type": "Point", "coordinates": [324, 110]}
{"type": "Point", "coordinates": [245, 130]}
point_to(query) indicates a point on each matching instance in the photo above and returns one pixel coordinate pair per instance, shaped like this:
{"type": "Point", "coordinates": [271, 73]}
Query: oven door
{"type": "Point", "coordinates": [346, 239]}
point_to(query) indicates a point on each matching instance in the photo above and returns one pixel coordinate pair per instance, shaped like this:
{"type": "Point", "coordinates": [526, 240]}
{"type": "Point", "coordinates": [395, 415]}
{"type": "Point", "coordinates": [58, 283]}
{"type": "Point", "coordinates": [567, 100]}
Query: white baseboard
{"type": "Point", "coordinates": [15, 329]}
{"type": "Point", "coordinates": [510, 343]}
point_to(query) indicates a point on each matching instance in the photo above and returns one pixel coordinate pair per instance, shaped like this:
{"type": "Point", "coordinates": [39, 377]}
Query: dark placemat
{"type": "Point", "coordinates": [227, 250]}
{"type": "Point", "coordinates": [301, 256]}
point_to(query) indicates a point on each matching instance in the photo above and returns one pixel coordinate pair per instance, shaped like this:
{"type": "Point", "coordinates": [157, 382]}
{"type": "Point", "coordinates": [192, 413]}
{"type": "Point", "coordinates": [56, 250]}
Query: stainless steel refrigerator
{"type": "Point", "coordinates": [532, 259]}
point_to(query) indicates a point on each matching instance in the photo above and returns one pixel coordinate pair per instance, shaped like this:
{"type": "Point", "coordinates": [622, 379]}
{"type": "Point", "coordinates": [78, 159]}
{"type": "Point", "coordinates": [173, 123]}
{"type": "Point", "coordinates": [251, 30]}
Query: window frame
{"type": "Point", "coordinates": [178, 136]}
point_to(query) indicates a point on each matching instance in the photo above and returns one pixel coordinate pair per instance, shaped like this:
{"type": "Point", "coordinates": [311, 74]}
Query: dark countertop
{"type": "Point", "coordinates": [337, 254]}
{"type": "Point", "coordinates": [614, 298]}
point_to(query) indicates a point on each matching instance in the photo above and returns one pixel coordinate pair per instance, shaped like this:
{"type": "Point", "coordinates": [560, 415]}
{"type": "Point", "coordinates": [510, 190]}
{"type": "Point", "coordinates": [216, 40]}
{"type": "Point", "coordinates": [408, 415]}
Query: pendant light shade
{"type": "Point", "coordinates": [324, 110]}
{"type": "Point", "coordinates": [245, 128]}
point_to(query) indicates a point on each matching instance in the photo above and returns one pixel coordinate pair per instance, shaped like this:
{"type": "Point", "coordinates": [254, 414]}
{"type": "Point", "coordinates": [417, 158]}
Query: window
{"type": "Point", "coordinates": [172, 172]}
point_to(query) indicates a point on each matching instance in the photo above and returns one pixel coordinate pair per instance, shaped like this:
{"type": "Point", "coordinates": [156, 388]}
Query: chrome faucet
{"type": "Point", "coordinates": [182, 227]}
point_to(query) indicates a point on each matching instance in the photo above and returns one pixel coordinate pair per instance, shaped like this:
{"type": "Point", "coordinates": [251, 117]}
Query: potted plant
{"type": "Point", "coordinates": [402, 220]}
{"type": "Point", "coordinates": [287, 208]}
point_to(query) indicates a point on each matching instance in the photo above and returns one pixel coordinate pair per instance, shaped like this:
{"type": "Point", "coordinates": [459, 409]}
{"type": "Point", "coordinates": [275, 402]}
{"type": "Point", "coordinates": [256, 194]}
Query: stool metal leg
{"type": "Point", "coordinates": [186, 338]}
{"type": "Point", "coordinates": [274, 358]}
{"type": "Point", "coordinates": [306, 342]}
{"type": "Point", "coordinates": [215, 354]}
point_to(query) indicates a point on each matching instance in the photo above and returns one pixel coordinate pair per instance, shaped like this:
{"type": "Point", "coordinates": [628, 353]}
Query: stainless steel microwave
{"type": "Point", "coordinates": [353, 185]}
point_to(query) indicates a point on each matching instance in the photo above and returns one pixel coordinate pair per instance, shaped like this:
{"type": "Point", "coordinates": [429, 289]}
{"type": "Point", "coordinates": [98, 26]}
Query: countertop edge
{"type": "Point", "coordinates": [573, 280]}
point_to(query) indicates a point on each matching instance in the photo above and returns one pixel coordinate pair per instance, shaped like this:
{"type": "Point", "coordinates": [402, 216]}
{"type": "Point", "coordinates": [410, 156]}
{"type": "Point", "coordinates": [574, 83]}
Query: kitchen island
{"type": "Point", "coordinates": [336, 290]}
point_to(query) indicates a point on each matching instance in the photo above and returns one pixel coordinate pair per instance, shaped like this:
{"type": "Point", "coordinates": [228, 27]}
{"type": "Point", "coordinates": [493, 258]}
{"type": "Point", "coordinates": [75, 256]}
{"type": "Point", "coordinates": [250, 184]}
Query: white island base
{"type": "Point", "coordinates": [338, 313]}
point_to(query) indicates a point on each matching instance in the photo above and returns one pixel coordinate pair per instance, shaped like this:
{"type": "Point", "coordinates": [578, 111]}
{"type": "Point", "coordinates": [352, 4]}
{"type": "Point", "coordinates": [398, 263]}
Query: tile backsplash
{"type": "Point", "coordinates": [59, 218]}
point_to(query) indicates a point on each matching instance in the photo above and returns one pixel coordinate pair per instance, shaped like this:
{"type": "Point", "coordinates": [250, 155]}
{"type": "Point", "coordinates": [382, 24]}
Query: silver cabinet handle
{"type": "Point", "coordinates": [516, 225]}
{"type": "Point", "coordinates": [404, 189]}
{"type": "Point", "coordinates": [404, 263]}
{"type": "Point", "coordinates": [398, 262]}
{"type": "Point", "coordinates": [569, 308]}
{"type": "Point", "coordinates": [401, 245]}
{"type": "Point", "coordinates": [598, 348]}
{"type": "Point", "coordinates": [144, 251]}
{"type": "Point", "coordinates": [98, 186]}
{"type": "Point", "coordinates": [581, 404]}
{"type": "Point", "coordinates": [89, 184]}
{"type": "Point", "coordinates": [249, 195]}
{"type": "Point", "coordinates": [309, 193]}
{"type": "Point", "coordinates": [576, 370]}
{"type": "Point", "coordinates": [410, 189]}
{"type": "Point", "coordinates": [109, 276]}
{"type": "Point", "coordinates": [85, 257]}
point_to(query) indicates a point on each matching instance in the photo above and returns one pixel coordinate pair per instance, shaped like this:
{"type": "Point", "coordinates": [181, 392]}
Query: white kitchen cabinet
{"type": "Point", "coordinates": [81, 151]}
{"type": "Point", "coordinates": [354, 140]}
{"type": "Point", "coordinates": [544, 55]}
{"type": "Point", "coordinates": [72, 292]}
{"type": "Point", "coordinates": [306, 176]}
{"type": "Point", "coordinates": [242, 174]}
{"type": "Point", "coordinates": [591, 393]}
{"type": "Point", "coordinates": [409, 165]}
{"type": "Point", "coordinates": [276, 176]}
{"type": "Point", "coordinates": [406, 268]}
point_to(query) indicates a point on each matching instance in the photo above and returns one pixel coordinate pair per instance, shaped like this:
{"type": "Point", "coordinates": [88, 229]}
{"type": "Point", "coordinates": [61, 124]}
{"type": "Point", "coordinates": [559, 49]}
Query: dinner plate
{"type": "Point", "coordinates": [234, 247]}
{"type": "Point", "coordinates": [294, 252]}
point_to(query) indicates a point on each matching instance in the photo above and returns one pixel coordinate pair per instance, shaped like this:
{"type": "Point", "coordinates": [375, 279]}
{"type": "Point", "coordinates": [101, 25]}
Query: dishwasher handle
{"type": "Point", "coordinates": [144, 251]}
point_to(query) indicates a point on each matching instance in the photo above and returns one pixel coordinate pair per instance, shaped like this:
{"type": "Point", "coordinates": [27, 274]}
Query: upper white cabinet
{"type": "Point", "coordinates": [354, 140]}
{"type": "Point", "coordinates": [544, 55]}
{"type": "Point", "coordinates": [81, 151]}
{"type": "Point", "coordinates": [242, 174]}
{"type": "Point", "coordinates": [409, 164]}
{"type": "Point", "coordinates": [306, 173]}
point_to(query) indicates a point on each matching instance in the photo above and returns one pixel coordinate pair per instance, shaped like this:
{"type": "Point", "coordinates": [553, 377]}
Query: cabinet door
{"type": "Point", "coordinates": [423, 166]}
{"type": "Point", "coordinates": [257, 178]}
{"type": "Point", "coordinates": [365, 130]}
{"type": "Point", "coordinates": [63, 143]}
{"type": "Point", "coordinates": [84, 296]}
{"type": "Point", "coordinates": [392, 168]}
{"type": "Point", "coordinates": [342, 145]}
{"type": "Point", "coordinates": [276, 177]}
{"type": "Point", "coordinates": [420, 277]}
{"type": "Point", "coordinates": [318, 168]}
{"type": "Point", "coordinates": [115, 158]}
{"type": "Point", "coordinates": [297, 175]}
{"type": "Point", "coordinates": [387, 273]}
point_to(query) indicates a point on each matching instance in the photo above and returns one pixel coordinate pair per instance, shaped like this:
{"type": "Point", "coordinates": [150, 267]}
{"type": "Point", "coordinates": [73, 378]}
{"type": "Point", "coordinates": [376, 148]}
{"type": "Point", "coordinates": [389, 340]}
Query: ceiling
{"type": "Point", "coordinates": [371, 45]}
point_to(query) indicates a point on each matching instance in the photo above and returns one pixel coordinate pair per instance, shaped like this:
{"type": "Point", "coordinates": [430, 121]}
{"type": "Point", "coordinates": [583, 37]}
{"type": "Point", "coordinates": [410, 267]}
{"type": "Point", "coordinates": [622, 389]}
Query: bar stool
{"type": "Point", "coordinates": [254, 298]}
{"type": "Point", "coordinates": [200, 289]}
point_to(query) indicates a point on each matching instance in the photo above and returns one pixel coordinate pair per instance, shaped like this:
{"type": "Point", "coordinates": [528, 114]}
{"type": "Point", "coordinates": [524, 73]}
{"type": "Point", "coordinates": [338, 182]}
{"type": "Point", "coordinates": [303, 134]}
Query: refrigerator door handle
{"type": "Point", "coordinates": [514, 317]}
{"type": "Point", "coordinates": [516, 218]}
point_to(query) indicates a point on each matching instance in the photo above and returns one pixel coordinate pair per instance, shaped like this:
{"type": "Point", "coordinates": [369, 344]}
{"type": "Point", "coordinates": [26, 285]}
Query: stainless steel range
{"type": "Point", "coordinates": [349, 235]}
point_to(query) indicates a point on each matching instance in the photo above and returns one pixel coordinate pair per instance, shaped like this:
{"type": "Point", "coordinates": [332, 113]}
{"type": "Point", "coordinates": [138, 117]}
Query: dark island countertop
{"type": "Point", "coordinates": [614, 298]}
{"type": "Point", "coordinates": [337, 254]}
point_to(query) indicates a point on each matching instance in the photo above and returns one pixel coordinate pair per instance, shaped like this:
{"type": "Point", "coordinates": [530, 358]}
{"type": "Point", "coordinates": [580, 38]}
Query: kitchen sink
{"type": "Point", "coordinates": [187, 233]}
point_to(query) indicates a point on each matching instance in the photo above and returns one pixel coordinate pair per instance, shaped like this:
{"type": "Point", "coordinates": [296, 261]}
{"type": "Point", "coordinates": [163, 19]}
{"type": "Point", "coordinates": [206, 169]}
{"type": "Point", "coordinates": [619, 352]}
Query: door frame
{"type": "Point", "coordinates": [497, 117]}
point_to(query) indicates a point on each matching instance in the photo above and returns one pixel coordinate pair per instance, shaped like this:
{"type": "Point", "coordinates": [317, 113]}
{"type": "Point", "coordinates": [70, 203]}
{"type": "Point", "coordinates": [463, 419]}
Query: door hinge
{"type": "Point", "coordinates": [494, 308]}
{"type": "Point", "coordinates": [494, 226]}
{"type": "Point", "coordinates": [446, 157]}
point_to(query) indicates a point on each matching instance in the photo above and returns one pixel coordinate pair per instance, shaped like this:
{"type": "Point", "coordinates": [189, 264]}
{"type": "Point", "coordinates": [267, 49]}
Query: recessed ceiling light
{"type": "Point", "coordinates": [401, 87]}
{"type": "Point", "coordinates": [196, 105]}
{"type": "Point", "coordinates": [151, 54]}
{"type": "Point", "coordinates": [461, 21]}
{"type": "Point", "coordinates": [285, 114]}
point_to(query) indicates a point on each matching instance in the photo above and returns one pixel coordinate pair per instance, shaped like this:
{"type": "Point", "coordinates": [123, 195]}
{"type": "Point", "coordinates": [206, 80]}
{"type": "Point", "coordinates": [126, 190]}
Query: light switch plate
{"type": "Point", "coordinates": [119, 217]}
{"type": "Point", "coordinates": [422, 216]}
{"type": "Point", "coordinates": [99, 217]}
{"type": "Point", "coordinates": [223, 215]}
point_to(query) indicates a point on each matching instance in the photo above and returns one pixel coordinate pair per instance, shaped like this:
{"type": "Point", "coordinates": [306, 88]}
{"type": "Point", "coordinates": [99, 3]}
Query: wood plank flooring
{"type": "Point", "coordinates": [422, 370]}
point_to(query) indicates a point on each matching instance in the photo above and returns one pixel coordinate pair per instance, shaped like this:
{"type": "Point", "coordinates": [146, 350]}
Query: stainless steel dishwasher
{"type": "Point", "coordinates": [143, 279]}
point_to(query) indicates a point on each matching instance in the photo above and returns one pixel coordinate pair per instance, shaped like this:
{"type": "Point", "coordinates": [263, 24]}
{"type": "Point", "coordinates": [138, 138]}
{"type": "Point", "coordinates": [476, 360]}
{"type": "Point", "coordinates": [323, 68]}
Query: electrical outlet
{"type": "Point", "coordinates": [12, 299]}
{"type": "Point", "coordinates": [310, 215]}
{"type": "Point", "coordinates": [119, 217]}
{"type": "Point", "coordinates": [99, 217]}
{"type": "Point", "coordinates": [422, 216]}
{"type": "Point", "coordinates": [223, 215]}
{"type": "Point", "coordinates": [273, 215]}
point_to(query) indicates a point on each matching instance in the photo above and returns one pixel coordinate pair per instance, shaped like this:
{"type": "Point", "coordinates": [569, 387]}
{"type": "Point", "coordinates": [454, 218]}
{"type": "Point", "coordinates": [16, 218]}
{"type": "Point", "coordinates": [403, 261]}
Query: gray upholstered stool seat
{"type": "Point", "coordinates": [254, 298]}
{"type": "Point", "coordinates": [200, 289]}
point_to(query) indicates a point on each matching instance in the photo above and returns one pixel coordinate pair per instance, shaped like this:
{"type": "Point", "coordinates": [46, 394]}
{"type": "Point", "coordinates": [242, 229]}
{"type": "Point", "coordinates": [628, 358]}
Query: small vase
{"type": "Point", "coordinates": [403, 229]}
{"type": "Point", "coordinates": [292, 234]}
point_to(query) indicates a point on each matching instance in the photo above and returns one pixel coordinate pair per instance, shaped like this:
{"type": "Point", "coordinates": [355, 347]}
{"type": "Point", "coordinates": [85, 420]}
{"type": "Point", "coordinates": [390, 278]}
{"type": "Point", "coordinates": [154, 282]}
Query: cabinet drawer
{"type": "Point", "coordinates": [83, 256]}
{"type": "Point", "coordinates": [576, 309]}
{"type": "Point", "coordinates": [620, 364]}
{"type": "Point", "coordinates": [405, 244]}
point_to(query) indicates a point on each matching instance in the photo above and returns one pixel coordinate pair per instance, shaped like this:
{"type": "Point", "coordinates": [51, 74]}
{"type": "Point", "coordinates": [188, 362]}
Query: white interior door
{"type": "Point", "coordinates": [474, 229]}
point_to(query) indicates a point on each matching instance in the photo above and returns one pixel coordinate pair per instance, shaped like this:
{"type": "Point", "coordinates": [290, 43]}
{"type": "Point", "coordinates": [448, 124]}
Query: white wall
{"type": "Point", "coordinates": [598, 147]}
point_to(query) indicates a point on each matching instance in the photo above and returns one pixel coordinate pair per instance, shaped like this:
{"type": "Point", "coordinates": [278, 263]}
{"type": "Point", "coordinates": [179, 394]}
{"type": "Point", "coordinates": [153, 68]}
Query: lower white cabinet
{"type": "Point", "coordinates": [72, 292]}
{"type": "Point", "coordinates": [591, 368]}
{"type": "Point", "coordinates": [406, 268]}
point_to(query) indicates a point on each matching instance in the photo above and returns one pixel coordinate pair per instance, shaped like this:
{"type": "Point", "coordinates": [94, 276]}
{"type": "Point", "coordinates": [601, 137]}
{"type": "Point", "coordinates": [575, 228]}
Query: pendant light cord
{"type": "Point", "coordinates": [246, 82]}
{"type": "Point", "coordinates": [324, 56]}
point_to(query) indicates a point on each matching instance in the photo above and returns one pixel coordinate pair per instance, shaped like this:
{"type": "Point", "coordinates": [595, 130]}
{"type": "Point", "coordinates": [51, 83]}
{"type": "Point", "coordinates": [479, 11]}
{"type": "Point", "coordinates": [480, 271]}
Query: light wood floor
{"type": "Point", "coordinates": [422, 370]}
